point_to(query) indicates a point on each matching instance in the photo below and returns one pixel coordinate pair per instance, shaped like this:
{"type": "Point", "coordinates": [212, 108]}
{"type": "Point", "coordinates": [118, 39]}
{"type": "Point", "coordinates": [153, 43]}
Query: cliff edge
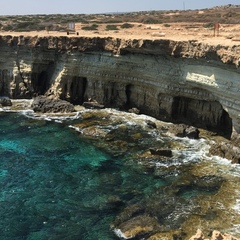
{"type": "Point", "coordinates": [177, 81]}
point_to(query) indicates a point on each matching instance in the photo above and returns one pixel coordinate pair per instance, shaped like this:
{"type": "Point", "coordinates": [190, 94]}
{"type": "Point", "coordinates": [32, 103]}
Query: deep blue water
{"type": "Point", "coordinates": [56, 185]}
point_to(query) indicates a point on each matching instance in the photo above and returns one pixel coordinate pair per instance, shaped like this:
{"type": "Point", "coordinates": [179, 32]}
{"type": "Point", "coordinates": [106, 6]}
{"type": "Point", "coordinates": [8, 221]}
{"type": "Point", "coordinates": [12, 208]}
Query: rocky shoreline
{"type": "Point", "coordinates": [139, 220]}
{"type": "Point", "coordinates": [220, 146]}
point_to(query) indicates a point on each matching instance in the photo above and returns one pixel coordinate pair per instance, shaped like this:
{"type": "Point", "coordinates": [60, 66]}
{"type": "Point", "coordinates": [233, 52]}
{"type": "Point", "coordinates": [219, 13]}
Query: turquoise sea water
{"type": "Point", "coordinates": [56, 185]}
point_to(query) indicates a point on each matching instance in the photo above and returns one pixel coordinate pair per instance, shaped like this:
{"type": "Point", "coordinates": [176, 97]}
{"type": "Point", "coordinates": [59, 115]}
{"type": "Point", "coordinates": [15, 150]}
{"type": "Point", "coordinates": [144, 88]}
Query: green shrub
{"type": "Point", "coordinates": [166, 25]}
{"type": "Point", "coordinates": [93, 27]}
{"type": "Point", "coordinates": [33, 25]}
{"type": "Point", "coordinates": [111, 27]}
{"type": "Point", "coordinates": [151, 21]}
{"type": "Point", "coordinates": [7, 28]}
{"type": "Point", "coordinates": [127, 25]}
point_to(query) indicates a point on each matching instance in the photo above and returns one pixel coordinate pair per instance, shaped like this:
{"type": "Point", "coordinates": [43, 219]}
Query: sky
{"type": "Point", "coordinates": [24, 7]}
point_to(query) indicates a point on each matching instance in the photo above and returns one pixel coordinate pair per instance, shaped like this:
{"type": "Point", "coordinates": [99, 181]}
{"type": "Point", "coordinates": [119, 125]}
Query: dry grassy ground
{"type": "Point", "coordinates": [174, 25]}
{"type": "Point", "coordinates": [229, 34]}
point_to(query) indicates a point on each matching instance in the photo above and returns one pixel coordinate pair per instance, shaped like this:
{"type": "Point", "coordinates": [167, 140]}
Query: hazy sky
{"type": "Point", "coordinates": [19, 7]}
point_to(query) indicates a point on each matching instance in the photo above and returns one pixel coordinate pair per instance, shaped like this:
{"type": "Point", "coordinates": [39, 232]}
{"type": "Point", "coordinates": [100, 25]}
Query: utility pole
{"type": "Point", "coordinates": [183, 6]}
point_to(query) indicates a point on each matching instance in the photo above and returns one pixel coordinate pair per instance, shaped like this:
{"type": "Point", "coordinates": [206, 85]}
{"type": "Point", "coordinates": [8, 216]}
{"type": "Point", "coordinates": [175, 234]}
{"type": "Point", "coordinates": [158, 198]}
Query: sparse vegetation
{"type": "Point", "coordinates": [208, 25]}
{"type": "Point", "coordinates": [127, 25]}
{"type": "Point", "coordinates": [151, 20]}
{"type": "Point", "coordinates": [229, 14]}
{"type": "Point", "coordinates": [111, 27]}
{"type": "Point", "coordinates": [93, 27]}
{"type": "Point", "coordinates": [166, 25]}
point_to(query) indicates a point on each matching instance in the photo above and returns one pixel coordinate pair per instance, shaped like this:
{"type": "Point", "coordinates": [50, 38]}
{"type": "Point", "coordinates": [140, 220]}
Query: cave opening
{"type": "Point", "coordinates": [77, 90]}
{"type": "Point", "coordinates": [209, 115]}
{"type": "Point", "coordinates": [129, 92]}
{"type": "Point", "coordinates": [42, 83]}
{"type": "Point", "coordinates": [41, 80]}
{"type": "Point", "coordinates": [4, 84]}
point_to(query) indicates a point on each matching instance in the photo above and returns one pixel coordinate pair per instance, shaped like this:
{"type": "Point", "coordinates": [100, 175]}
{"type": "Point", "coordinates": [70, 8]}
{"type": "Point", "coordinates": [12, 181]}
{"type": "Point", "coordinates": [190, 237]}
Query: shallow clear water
{"type": "Point", "coordinates": [56, 185]}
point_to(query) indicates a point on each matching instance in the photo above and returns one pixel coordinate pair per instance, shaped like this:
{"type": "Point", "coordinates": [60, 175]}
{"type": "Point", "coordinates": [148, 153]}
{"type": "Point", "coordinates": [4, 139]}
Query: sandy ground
{"type": "Point", "coordinates": [229, 35]}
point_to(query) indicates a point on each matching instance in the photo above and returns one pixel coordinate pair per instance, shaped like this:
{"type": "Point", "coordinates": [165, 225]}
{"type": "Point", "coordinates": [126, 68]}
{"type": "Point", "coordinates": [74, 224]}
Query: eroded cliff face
{"type": "Point", "coordinates": [173, 81]}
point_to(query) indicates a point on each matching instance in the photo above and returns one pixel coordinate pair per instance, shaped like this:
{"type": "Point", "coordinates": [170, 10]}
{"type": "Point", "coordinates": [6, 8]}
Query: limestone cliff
{"type": "Point", "coordinates": [174, 81]}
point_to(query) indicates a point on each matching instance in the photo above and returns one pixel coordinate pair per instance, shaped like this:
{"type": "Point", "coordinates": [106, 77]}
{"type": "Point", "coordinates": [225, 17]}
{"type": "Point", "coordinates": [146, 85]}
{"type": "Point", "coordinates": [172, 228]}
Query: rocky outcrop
{"type": "Point", "coordinates": [186, 82]}
{"type": "Point", "coordinates": [50, 105]}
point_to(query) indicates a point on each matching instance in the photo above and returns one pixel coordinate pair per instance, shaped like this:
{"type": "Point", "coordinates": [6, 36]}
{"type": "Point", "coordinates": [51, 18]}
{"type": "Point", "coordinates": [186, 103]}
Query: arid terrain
{"type": "Point", "coordinates": [175, 25]}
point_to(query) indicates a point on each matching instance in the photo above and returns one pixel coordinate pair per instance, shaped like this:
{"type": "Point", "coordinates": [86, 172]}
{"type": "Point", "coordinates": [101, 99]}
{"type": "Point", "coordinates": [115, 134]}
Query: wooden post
{"type": "Point", "coordinates": [47, 29]}
{"type": "Point", "coordinates": [216, 29]}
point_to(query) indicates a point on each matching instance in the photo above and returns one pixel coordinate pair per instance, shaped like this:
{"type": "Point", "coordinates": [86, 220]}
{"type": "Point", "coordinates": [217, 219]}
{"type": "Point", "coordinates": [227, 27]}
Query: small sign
{"type": "Point", "coordinates": [71, 25]}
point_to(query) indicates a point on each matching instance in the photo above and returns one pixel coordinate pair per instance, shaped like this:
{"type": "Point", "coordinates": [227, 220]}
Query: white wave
{"type": "Point", "coordinates": [235, 230]}
{"type": "Point", "coordinates": [236, 207]}
{"type": "Point", "coordinates": [194, 151]}
{"type": "Point", "coordinates": [59, 118]}
{"type": "Point", "coordinates": [120, 234]}
{"type": "Point", "coordinates": [226, 166]}
{"type": "Point", "coordinates": [75, 128]}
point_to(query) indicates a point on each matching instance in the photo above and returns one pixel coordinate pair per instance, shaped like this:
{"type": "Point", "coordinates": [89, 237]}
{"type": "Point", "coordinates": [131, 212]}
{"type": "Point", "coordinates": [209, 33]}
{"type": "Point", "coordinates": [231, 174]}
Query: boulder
{"type": "Point", "coordinates": [51, 105]}
{"type": "Point", "coordinates": [5, 102]}
{"type": "Point", "coordinates": [191, 132]}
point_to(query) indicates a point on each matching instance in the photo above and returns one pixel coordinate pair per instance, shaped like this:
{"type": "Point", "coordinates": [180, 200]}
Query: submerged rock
{"type": "Point", "coordinates": [140, 226]}
{"type": "Point", "coordinates": [161, 152]}
{"type": "Point", "coordinates": [175, 235]}
{"type": "Point", "coordinates": [46, 105]}
{"type": "Point", "coordinates": [209, 182]}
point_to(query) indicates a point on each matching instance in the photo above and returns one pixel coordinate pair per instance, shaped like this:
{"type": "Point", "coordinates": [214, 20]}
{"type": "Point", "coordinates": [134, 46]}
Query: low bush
{"type": "Point", "coordinates": [166, 25]}
{"type": "Point", "coordinates": [150, 20]}
{"type": "Point", "coordinates": [127, 25]}
{"type": "Point", "coordinates": [208, 25]}
{"type": "Point", "coordinates": [93, 27]}
{"type": "Point", "coordinates": [111, 27]}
